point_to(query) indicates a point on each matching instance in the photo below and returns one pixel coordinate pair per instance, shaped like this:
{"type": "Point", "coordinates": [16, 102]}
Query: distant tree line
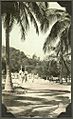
{"type": "Point", "coordinates": [33, 65]}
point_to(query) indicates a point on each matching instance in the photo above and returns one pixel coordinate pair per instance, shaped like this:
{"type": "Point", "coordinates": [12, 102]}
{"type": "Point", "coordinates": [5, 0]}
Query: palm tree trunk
{"type": "Point", "coordinates": [8, 83]}
{"type": "Point", "coordinates": [61, 70]}
{"type": "Point", "coordinates": [61, 75]}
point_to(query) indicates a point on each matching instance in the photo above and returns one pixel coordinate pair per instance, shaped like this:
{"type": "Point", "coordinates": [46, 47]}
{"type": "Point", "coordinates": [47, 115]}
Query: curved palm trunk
{"type": "Point", "coordinates": [61, 69]}
{"type": "Point", "coordinates": [8, 83]}
{"type": "Point", "coordinates": [61, 81]}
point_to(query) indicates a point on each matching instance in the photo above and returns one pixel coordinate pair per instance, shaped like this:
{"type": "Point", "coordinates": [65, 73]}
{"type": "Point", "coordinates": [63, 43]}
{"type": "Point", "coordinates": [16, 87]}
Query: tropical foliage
{"type": "Point", "coordinates": [60, 32]}
{"type": "Point", "coordinates": [33, 65]}
{"type": "Point", "coordinates": [59, 39]}
{"type": "Point", "coordinates": [19, 12]}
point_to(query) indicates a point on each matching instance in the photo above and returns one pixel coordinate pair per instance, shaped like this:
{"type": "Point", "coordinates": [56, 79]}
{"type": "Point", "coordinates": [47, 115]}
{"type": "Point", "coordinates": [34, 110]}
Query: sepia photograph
{"type": "Point", "coordinates": [36, 59]}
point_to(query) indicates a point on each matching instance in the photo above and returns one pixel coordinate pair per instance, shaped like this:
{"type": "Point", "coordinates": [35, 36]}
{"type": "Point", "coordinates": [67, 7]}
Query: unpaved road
{"type": "Point", "coordinates": [38, 99]}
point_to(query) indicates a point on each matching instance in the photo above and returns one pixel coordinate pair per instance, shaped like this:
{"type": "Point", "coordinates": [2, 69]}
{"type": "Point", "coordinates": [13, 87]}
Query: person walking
{"type": "Point", "coordinates": [20, 78]}
{"type": "Point", "coordinates": [25, 76]}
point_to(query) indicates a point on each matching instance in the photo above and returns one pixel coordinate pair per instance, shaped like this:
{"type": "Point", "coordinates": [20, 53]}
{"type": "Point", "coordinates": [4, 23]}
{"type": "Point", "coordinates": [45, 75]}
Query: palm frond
{"type": "Point", "coordinates": [59, 14]}
{"type": "Point", "coordinates": [48, 47]}
{"type": "Point", "coordinates": [39, 11]}
{"type": "Point", "coordinates": [20, 11]}
{"type": "Point", "coordinates": [63, 45]}
{"type": "Point", "coordinates": [22, 30]}
{"type": "Point", "coordinates": [46, 4]}
{"type": "Point", "coordinates": [32, 18]}
{"type": "Point", "coordinates": [55, 32]}
{"type": "Point", "coordinates": [52, 15]}
{"type": "Point", "coordinates": [65, 40]}
{"type": "Point", "coordinates": [36, 10]}
{"type": "Point", "coordinates": [65, 64]}
{"type": "Point", "coordinates": [44, 24]}
{"type": "Point", "coordinates": [57, 49]}
{"type": "Point", "coordinates": [26, 20]}
{"type": "Point", "coordinates": [24, 15]}
{"type": "Point", "coordinates": [20, 22]}
{"type": "Point", "coordinates": [11, 22]}
{"type": "Point", "coordinates": [58, 27]}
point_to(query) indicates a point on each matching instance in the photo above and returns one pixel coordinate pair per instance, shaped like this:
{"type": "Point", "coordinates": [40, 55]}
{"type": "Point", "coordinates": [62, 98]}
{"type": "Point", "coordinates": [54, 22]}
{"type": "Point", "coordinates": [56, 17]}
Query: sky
{"type": "Point", "coordinates": [33, 44]}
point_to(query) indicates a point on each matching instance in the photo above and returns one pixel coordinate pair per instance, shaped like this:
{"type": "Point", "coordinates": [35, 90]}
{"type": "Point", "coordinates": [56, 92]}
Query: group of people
{"type": "Point", "coordinates": [23, 75]}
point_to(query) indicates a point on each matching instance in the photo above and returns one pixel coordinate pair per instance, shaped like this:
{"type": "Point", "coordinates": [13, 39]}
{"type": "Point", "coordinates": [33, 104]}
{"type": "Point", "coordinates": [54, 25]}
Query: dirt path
{"type": "Point", "coordinates": [39, 100]}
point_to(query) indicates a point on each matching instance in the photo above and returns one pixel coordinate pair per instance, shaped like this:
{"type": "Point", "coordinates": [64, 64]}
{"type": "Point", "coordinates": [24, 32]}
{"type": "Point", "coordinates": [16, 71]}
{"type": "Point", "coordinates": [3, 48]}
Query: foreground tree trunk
{"type": "Point", "coordinates": [8, 83]}
{"type": "Point", "coordinates": [61, 69]}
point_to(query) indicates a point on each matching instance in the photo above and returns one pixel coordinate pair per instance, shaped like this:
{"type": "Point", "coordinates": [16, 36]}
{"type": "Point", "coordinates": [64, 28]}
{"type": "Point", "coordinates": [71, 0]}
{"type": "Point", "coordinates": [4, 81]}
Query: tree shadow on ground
{"type": "Point", "coordinates": [5, 113]}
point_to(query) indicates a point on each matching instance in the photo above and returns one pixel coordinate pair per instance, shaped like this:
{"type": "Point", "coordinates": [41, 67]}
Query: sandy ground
{"type": "Point", "coordinates": [40, 98]}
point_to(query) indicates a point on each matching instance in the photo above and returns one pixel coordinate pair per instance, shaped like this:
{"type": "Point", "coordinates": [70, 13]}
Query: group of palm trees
{"type": "Point", "coordinates": [24, 12]}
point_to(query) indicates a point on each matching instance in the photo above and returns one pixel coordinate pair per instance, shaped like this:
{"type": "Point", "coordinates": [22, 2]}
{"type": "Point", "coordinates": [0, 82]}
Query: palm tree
{"type": "Point", "coordinates": [60, 32]}
{"type": "Point", "coordinates": [20, 12]}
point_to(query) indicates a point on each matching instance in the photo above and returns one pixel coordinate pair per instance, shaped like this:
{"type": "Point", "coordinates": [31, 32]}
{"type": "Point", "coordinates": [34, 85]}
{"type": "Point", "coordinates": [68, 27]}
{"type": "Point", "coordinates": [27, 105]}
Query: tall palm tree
{"type": "Point", "coordinates": [20, 12]}
{"type": "Point", "coordinates": [60, 31]}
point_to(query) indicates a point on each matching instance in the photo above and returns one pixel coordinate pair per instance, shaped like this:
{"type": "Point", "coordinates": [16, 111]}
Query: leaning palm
{"type": "Point", "coordinates": [19, 12]}
{"type": "Point", "coordinates": [59, 33]}
{"type": "Point", "coordinates": [59, 30]}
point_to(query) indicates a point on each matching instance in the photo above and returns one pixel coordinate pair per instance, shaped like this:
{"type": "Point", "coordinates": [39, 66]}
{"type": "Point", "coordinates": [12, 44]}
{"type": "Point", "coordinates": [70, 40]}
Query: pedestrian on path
{"type": "Point", "coordinates": [25, 75]}
{"type": "Point", "coordinates": [21, 76]}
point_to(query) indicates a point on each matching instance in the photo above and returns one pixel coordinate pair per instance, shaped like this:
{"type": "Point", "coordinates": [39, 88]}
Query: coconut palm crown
{"type": "Point", "coordinates": [59, 31]}
{"type": "Point", "coordinates": [59, 39]}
